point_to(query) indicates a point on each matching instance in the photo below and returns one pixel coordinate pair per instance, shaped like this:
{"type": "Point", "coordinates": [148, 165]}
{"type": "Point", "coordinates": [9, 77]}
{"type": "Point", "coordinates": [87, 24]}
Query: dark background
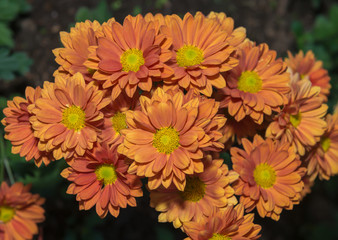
{"type": "Point", "coordinates": [282, 24]}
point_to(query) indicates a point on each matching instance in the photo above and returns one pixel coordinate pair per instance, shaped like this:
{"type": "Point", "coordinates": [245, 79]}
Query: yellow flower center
{"type": "Point", "coordinates": [194, 189]}
{"type": "Point", "coordinates": [119, 121]}
{"type": "Point", "coordinates": [217, 236]}
{"type": "Point", "coordinates": [249, 81]}
{"type": "Point", "coordinates": [264, 175]}
{"type": "Point", "coordinates": [73, 118]}
{"type": "Point", "coordinates": [106, 173]}
{"type": "Point", "coordinates": [6, 214]}
{"type": "Point", "coordinates": [189, 55]}
{"type": "Point", "coordinates": [295, 119]}
{"type": "Point", "coordinates": [325, 142]}
{"type": "Point", "coordinates": [166, 140]}
{"type": "Point", "coordinates": [132, 60]}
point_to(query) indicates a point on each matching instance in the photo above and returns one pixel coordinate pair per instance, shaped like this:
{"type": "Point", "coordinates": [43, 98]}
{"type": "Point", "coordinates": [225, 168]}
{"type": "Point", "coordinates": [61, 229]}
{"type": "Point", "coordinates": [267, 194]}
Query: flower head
{"type": "Point", "coordinates": [228, 224]}
{"type": "Point", "coordinates": [166, 138]}
{"type": "Point", "coordinates": [130, 56]}
{"type": "Point", "coordinates": [322, 159]}
{"type": "Point", "coordinates": [19, 131]}
{"type": "Point", "coordinates": [75, 52]}
{"type": "Point", "coordinates": [67, 116]}
{"type": "Point", "coordinates": [307, 67]}
{"type": "Point", "coordinates": [257, 86]}
{"type": "Point", "coordinates": [203, 194]}
{"type": "Point", "coordinates": [200, 52]}
{"type": "Point", "coordinates": [20, 212]}
{"type": "Point", "coordinates": [301, 120]}
{"type": "Point", "coordinates": [100, 178]}
{"type": "Point", "coordinates": [270, 176]}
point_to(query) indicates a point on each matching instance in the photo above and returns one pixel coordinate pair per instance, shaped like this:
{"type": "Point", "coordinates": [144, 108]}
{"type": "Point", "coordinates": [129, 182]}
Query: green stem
{"type": "Point", "coordinates": [9, 171]}
{"type": "Point", "coordinates": [2, 157]}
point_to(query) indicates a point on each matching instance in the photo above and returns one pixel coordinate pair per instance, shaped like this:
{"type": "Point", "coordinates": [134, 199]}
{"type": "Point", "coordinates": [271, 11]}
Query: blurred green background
{"type": "Point", "coordinates": [29, 30]}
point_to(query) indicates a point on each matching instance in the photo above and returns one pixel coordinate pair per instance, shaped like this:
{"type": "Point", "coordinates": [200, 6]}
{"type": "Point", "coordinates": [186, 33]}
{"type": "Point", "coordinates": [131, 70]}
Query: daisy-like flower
{"type": "Point", "coordinates": [256, 87]}
{"type": "Point", "coordinates": [100, 178]}
{"type": "Point", "coordinates": [200, 53]}
{"type": "Point", "coordinates": [165, 138]}
{"type": "Point", "coordinates": [67, 117]}
{"type": "Point", "coordinates": [229, 224]}
{"type": "Point", "coordinates": [307, 67]}
{"type": "Point", "coordinates": [19, 130]}
{"type": "Point", "coordinates": [270, 176]}
{"type": "Point", "coordinates": [323, 157]}
{"type": "Point", "coordinates": [301, 120]}
{"type": "Point", "coordinates": [235, 36]}
{"type": "Point", "coordinates": [75, 52]}
{"type": "Point", "coordinates": [20, 212]}
{"type": "Point", "coordinates": [203, 194]}
{"type": "Point", "coordinates": [130, 56]}
{"type": "Point", "coordinates": [115, 118]}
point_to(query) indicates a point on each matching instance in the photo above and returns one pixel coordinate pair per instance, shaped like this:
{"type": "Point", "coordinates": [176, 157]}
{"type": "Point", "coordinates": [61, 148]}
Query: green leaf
{"type": "Point", "coordinates": [334, 15]}
{"type": "Point", "coordinates": [137, 10]}
{"type": "Point", "coordinates": [5, 36]}
{"type": "Point", "coordinates": [101, 13]}
{"type": "Point", "coordinates": [10, 65]}
{"type": "Point", "coordinates": [323, 28]}
{"type": "Point", "coordinates": [116, 5]}
{"type": "Point", "coordinates": [8, 10]}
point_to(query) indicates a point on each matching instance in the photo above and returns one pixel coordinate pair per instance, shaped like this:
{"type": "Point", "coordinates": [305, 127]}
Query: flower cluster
{"type": "Point", "coordinates": [159, 97]}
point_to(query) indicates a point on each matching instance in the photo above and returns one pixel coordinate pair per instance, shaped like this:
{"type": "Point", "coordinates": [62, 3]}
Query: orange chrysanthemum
{"type": "Point", "coordinates": [203, 194]}
{"type": "Point", "coordinates": [166, 138]}
{"type": "Point", "coordinates": [129, 56]}
{"type": "Point", "coordinates": [307, 67]}
{"type": "Point", "coordinates": [115, 118]}
{"type": "Point", "coordinates": [75, 52]}
{"type": "Point", "coordinates": [270, 176]}
{"type": "Point", "coordinates": [229, 224]}
{"type": "Point", "coordinates": [67, 116]}
{"type": "Point", "coordinates": [256, 87]}
{"type": "Point", "coordinates": [19, 130]}
{"type": "Point", "coordinates": [20, 212]}
{"type": "Point", "coordinates": [301, 120]}
{"type": "Point", "coordinates": [100, 178]}
{"type": "Point", "coordinates": [235, 36]}
{"type": "Point", "coordinates": [200, 53]}
{"type": "Point", "coordinates": [323, 157]}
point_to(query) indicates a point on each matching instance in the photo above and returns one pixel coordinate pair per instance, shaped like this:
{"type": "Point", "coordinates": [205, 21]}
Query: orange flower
{"type": "Point", "coordinates": [200, 52]}
{"type": "Point", "coordinates": [256, 87]}
{"type": "Point", "coordinates": [270, 176]}
{"type": "Point", "coordinates": [203, 194]}
{"type": "Point", "coordinates": [323, 157]}
{"type": "Point", "coordinates": [20, 212]}
{"type": "Point", "coordinates": [307, 67]}
{"type": "Point", "coordinates": [19, 130]}
{"type": "Point", "coordinates": [100, 178]}
{"type": "Point", "coordinates": [67, 116]}
{"type": "Point", "coordinates": [115, 118]}
{"type": "Point", "coordinates": [230, 223]}
{"type": "Point", "coordinates": [165, 139]}
{"type": "Point", "coordinates": [301, 120]}
{"type": "Point", "coordinates": [235, 36]}
{"type": "Point", "coordinates": [75, 51]}
{"type": "Point", "coordinates": [129, 56]}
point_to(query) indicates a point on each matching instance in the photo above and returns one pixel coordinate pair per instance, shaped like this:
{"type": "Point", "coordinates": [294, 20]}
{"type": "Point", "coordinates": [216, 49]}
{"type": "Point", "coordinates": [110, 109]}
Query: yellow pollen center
{"type": "Point", "coordinates": [106, 173]}
{"type": "Point", "coordinates": [264, 175]}
{"type": "Point", "coordinates": [189, 55]}
{"type": "Point", "coordinates": [119, 121]}
{"type": "Point", "coordinates": [166, 140]}
{"type": "Point", "coordinates": [73, 118]}
{"type": "Point", "coordinates": [194, 189]}
{"type": "Point", "coordinates": [217, 236]}
{"type": "Point", "coordinates": [249, 81]}
{"type": "Point", "coordinates": [295, 119]}
{"type": "Point", "coordinates": [325, 142]}
{"type": "Point", "coordinates": [132, 60]}
{"type": "Point", "coordinates": [6, 214]}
